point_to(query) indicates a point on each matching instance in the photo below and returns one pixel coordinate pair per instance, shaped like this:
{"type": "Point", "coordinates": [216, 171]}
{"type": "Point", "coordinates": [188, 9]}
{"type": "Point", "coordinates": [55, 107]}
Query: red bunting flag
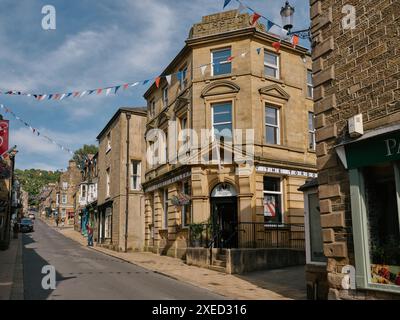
{"type": "Point", "coordinates": [230, 59]}
{"type": "Point", "coordinates": [277, 46]}
{"type": "Point", "coordinates": [56, 96]}
{"type": "Point", "coordinates": [99, 91]}
{"type": "Point", "coordinates": [158, 79]}
{"type": "Point", "coordinates": [255, 18]}
{"type": "Point", "coordinates": [295, 41]}
{"type": "Point", "coordinates": [76, 94]}
{"type": "Point", "coordinates": [126, 86]}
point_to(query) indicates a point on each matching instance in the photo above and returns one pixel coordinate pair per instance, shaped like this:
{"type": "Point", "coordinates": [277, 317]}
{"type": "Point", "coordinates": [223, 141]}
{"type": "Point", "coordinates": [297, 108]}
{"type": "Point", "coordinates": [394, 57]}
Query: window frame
{"type": "Point", "coordinates": [222, 62]}
{"type": "Point", "coordinates": [310, 85]}
{"type": "Point", "coordinates": [280, 193]}
{"type": "Point", "coordinates": [184, 208]}
{"type": "Point", "coordinates": [216, 104]}
{"type": "Point", "coordinates": [183, 79]}
{"type": "Point", "coordinates": [64, 199]}
{"type": "Point", "coordinates": [108, 182]}
{"type": "Point", "coordinates": [360, 230]}
{"type": "Point", "coordinates": [312, 132]}
{"type": "Point", "coordinates": [277, 126]}
{"type": "Point", "coordinates": [165, 93]}
{"type": "Point", "coordinates": [138, 175]}
{"type": "Point", "coordinates": [269, 65]}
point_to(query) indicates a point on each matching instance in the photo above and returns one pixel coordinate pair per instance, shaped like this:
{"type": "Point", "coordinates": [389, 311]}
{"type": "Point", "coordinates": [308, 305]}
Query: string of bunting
{"type": "Point", "coordinates": [35, 131]}
{"type": "Point", "coordinates": [272, 28]}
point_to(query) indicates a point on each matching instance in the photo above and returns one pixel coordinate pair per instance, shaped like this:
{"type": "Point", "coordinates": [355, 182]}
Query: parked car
{"type": "Point", "coordinates": [32, 216]}
{"type": "Point", "coordinates": [26, 225]}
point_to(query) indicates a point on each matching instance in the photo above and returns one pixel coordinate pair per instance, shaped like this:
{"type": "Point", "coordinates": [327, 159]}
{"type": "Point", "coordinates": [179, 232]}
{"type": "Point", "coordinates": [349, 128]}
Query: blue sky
{"type": "Point", "coordinates": [96, 44]}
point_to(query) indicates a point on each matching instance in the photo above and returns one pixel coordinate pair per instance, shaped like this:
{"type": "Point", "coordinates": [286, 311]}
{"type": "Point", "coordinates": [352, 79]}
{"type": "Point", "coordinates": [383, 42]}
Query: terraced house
{"type": "Point", "coordinates": [229, 77]}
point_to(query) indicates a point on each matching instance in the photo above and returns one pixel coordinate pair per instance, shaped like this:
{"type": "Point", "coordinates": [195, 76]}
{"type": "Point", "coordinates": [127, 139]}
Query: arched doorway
{"type": "Point", "coordinates": [224, 216]}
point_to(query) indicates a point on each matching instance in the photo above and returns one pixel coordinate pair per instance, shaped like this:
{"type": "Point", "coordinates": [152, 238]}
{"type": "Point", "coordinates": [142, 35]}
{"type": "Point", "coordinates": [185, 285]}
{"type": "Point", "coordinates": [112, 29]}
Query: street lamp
{"type": "Point", "coordinates": [287, 13]}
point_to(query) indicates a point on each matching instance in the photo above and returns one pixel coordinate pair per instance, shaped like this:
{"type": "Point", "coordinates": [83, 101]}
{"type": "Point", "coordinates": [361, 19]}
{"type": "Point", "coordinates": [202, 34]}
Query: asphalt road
{"type": "Point", "coordinates": [83, 274]}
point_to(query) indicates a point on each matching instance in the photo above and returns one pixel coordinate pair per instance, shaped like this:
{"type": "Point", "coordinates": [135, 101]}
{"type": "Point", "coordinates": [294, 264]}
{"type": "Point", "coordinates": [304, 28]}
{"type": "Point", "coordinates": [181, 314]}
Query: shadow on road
{"type": "Point", "coordinates": [33, 276]}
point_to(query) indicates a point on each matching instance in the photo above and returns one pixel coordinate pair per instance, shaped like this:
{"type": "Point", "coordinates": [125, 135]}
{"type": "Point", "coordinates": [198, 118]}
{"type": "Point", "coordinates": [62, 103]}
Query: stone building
{"type": "Point", "coordinates": [65, 190]}
{"type": "Point", "coordinates": [357, 106]}
{"type": "Point", "coordinates": [229, 76]}
{"type": "Point", "coordinates": [121, 146]}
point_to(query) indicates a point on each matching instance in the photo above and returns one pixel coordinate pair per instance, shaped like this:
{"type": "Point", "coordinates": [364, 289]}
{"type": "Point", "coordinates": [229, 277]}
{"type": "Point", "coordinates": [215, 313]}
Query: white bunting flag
{"type": "Point", "coordinates": [203, 69]}
{"type": "Point", "coordinates": [63, 96]}
{"type": "Point", "coordinates": [135, 84]}
{"type": "Point", "coordinates": [108, 91]}
{"type": "Point", "coordinates": [279, 31]}
{"type": "Point", "coordinates": [82, 94]}
{"type": "Point", "coordinates": [243, 55]}
{"type": "Point", "coordinates": [43, 97]}
{"type": "Point", "coordinates": [168, 79]}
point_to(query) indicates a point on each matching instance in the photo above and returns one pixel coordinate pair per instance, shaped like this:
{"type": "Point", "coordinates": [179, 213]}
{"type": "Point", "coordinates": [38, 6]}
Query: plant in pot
{"type": "Point", "coordinates": [196, 231]}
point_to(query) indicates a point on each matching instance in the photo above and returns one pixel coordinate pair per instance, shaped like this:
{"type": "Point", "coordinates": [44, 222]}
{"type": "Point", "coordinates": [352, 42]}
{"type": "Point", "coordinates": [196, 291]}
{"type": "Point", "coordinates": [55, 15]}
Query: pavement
{"type": "Point", "coordinates": [282, 284]}
{"type": "Point", "coordinates": [11, 271]}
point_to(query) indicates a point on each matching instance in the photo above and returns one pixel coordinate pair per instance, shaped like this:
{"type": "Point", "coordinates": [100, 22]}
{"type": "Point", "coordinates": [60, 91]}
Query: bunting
{"type": "Point", "coordinates": [34, 130]}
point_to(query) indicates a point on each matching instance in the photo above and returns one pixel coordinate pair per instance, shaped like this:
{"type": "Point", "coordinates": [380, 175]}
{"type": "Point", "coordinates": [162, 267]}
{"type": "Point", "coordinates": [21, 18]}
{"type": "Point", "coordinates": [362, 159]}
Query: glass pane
{"type": "Point", "coordinates": [272, 208]}
{"type": "Point", "coordinates": [224, 68]}
{"type": "Point", "coordinates": [271, 58]}
{"type": "Point", "coordinates": [383, 223]}
{"type": "Point", "coordinates": [271, 116]}
{"type": "Point", "coordinates": [222, 117]}
{"type": "Point", "coordinates": [221, 55]}
{"type": "Point", "coordinates": [311, 139]}
{"type": "Point", "coordinates": [310, 92]}
{"type": "Point", "coordinates": [272, 184]}
{"type": "Point", "coordinates": [223, 130]}
{"type": "Point", "coordinates": [271, 72]}
{"type": "Point", "coordinates": [309, 77]}
{"type": "Point", "coordinates": [316, 241]}
{"type": "Point", "coordinates": [271, 135]}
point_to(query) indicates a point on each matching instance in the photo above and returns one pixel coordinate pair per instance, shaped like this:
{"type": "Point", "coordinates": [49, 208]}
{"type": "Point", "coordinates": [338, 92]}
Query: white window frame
{"type": "Point", "coordinates": [269, 65]}
{"type": "Point", "coordinates": [108, 182]}
{"type": "Point", "coordinates": [183, 80]}
{"type": "Point", "coordinates": [280, 193]}
{"type": "Point", "coordinates": [213, 105]}
{"type": "Point", "coordinates": [65, 185]}
{"type": "Point", "coordinates": [136, 176]}
{"type": "Point", "coordinates": [64, 199]}
{"type": "Point", "coordinates": [108, 142]}
{"type": "Point", "coordinates": [310, 85]}
{"type": "Point", "coordinates": [165, 208]}
{"type": "Point", "coordinates": [223, 62]}
{"type": "Point", "coordinates": [277, 126]}
{"type": "Point", "coordinates": [165, 93]}
{"type": "Point", "coordinates": [83, 191]}
{"type": "Point", "coordinates": [311, 132]}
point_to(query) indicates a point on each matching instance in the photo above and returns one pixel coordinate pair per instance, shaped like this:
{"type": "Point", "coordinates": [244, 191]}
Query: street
{"type": "Point", "coordinates": [83, 274]}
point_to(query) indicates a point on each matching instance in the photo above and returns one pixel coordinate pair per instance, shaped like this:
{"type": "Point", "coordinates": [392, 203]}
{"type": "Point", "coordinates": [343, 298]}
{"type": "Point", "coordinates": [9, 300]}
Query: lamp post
{"type": "Point", "coordinates": [287, 14]}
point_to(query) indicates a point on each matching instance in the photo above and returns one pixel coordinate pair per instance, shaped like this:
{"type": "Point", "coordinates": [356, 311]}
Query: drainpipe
{"type": "Point", "coordinates": [128, 118]}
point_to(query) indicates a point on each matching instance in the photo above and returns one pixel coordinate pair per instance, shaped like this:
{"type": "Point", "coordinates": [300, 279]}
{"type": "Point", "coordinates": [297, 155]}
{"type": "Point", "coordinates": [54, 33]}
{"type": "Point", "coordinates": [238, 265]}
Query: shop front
{"type": "Point", "coordinates": [373, 162]}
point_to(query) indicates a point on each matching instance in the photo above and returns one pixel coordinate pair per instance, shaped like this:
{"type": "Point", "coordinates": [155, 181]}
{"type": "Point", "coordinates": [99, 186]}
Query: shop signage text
{"type": "Point", "coordinates": [287, 172]}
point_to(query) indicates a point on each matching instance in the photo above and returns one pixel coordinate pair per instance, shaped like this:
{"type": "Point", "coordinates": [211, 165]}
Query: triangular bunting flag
{"type": "Point", "coordinates": [270, 24]}
{"type": "Point", "coordinates": [83, 93]}
{"type": "Point", "coordinates": [240, 9]}
{"type": "Point", "coordinates": [295, 41]}
{"type": "Point", "coordinates": [91, 92]}
{"type": "Point", "coordinates": [158, 79]}
{"type": "Point", "coordinates": [277, 46]}
{"type": "Point", "coordinates": [50, 96]}
{"type": "Point", "coordinates": [126, 85]}
{"type": "Point", "coordinates": [56, 96]}
{"type": "Point", "coordinates": [99, 91]}
{"type": "Point", "coordinates": [255, 18]}
{"type": "Point", "coordinates": [168, 77]}
{"type": "Point", "coordinates": [226, 2]}
{"type": "Point", "coordinates": [258, 51]}
{"type": "Point", "coordinates": [145, 82]}
{"type": "Point", "coordinates": [230, 58]}
{"type": "Point", "coordinates": [69, 94]}
{"type": "Point", "coordinates": [135, 84]}
{"type": "Point", "coordinates": [108, 91]}
{"type": "Point", "coordinates": [203, 69]}
{"type": "Point", "coordinates": [243, 55]}
{"type": "Point", "coordinates": [116, 89]}
{"type": "Point", "coordinates": [76, 94]}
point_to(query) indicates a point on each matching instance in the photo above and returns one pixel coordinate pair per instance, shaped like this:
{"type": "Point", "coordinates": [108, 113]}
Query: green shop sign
{"type": "Point", "coordinates": [380, 149]}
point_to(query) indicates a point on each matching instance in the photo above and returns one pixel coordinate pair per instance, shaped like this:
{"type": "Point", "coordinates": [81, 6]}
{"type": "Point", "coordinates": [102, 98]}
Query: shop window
{"type": "Point", "coordinates": [272, 201]}
{"type": "Point", "coordinates": [221, 62]}
{"type": "Point", "coordinates": [382, 206]}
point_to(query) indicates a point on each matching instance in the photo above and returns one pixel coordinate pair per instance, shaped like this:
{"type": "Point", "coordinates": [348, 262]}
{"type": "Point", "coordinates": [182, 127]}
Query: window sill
{"type": "Point", "coordinates": [309, 98]}
{"type": "Point", "coordinates": [273, 79]}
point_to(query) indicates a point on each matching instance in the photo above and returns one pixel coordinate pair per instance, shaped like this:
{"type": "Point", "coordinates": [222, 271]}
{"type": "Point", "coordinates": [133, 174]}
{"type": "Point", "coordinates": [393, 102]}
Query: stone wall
{"type": "Point", "coordinates": [355, 71]}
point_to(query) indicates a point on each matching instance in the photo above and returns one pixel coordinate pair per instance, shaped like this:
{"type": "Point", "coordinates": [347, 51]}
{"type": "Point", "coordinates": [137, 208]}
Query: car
{"type": "Point", "coordinates": [32, 216]}
{"type": "Point", "coordinates": [26, 225]}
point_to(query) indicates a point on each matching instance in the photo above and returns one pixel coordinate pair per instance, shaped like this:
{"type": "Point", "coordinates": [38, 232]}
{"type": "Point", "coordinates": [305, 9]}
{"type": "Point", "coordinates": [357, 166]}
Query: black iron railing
{"type": "Point", "coordinates": [248, 235]}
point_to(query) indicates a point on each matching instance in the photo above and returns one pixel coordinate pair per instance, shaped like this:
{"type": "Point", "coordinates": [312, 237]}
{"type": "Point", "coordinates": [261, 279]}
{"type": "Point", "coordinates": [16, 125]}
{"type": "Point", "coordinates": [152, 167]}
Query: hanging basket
{"type": "Point", "coordinates": [180, 200]}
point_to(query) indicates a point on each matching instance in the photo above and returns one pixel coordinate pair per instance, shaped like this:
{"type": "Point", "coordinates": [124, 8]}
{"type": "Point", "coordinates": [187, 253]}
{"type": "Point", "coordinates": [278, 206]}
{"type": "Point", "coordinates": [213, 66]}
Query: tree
{"type": "Point", "coordinates": [81, 154]}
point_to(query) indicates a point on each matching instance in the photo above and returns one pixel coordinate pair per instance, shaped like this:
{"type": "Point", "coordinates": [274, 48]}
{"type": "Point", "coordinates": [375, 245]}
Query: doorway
{"type": "Point", "coordinates": [224, 216]}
